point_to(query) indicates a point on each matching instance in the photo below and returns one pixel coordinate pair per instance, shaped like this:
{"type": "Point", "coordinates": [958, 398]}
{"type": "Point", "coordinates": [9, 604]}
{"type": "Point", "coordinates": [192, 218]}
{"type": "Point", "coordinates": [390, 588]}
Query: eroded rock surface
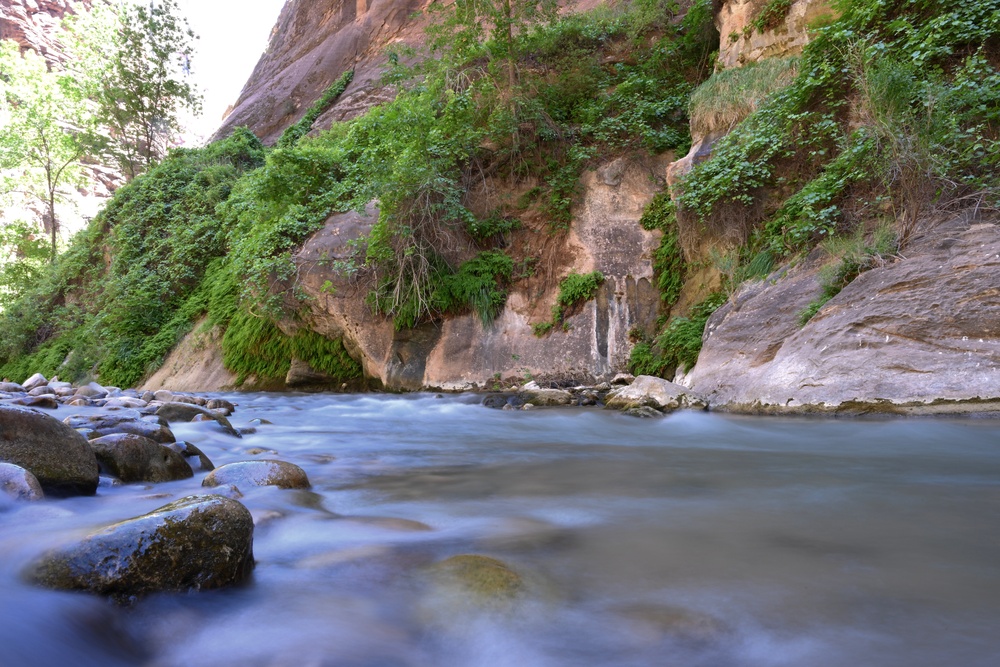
{"type": "Point", "coordinates": [920, 334]}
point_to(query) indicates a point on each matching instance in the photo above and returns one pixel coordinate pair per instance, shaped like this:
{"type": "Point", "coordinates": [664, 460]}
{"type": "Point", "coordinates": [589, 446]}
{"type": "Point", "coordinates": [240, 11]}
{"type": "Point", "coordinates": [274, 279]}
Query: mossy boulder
{"type": "Point", "coordinates": [267, 472]}
{"type": "Point", "coordinates": [18, 483]}
{"type": "Point", "coordinates": [58, 457]}
{"type": "Point", "coordinates": [196, 543]}
{"type": "Point", "coordinates": [134, 458]}
{"type": "Point", "coordinates": [478, 579]}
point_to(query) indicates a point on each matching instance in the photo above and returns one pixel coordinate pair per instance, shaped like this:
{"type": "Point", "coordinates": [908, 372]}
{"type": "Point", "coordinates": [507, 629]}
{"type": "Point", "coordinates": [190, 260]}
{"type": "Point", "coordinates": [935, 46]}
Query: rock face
{"type": "Point", "coordinates": [194, 365]}
{"type": "Point", "coordinates": [133, 458]}
{"type": "Point", "coordinates": [312, 44]}
{"type": "Point", "coordinates": [196, 543]}
{"type": "Point", "coordinates": [920, 335]}
{"type": "Point", "coordinates": [53, 452]}
{"type": "Point", "coordinates": [33, 24]}
{"type": "Point", "coordinates": [741, 43]}
{"type": "Point", "coordinates": [462, 353]}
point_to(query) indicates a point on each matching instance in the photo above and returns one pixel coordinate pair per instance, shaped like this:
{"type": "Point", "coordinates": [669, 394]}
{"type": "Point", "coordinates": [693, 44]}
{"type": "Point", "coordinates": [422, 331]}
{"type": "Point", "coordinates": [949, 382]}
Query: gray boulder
{"type": "Point", "coordinates": [122, 421]}
{"type": "Point", "coordinates": [11, 388]}
{"type": "Point", "coordinates": [92, 390]}
{"type": "Point", "coordinates": [46, 402]}
{"type": "Point", "coordinates": [133, 458]}
{"type": "Point", "coordinates": [185, 412]}
{"type": "Point", "coordinates": [653, 392]}
{"type": "Point", "coordinates": [18, 483]}
{"type": "Point", "coordinates": [532, 393]}
{"type": "Point", "coordinates": [196, 543]}
{"type": "Point", "coordinates": [36, 380]}
{"type": "Point", "coordinates": [52, 451]}
{"type": "Point", "coordinates": [267, 472]}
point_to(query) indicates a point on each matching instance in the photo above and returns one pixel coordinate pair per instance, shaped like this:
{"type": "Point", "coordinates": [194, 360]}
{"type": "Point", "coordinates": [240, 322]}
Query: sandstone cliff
{"type": "Point", "coordinates": [33, 24]}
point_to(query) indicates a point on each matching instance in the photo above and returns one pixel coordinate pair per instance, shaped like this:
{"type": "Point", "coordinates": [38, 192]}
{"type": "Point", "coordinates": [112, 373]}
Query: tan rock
{"type": "Point", "coordinates": [653, 392]}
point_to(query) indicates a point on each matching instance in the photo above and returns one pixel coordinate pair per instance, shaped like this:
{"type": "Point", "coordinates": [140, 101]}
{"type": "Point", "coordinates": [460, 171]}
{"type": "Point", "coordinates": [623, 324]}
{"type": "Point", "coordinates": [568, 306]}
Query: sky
{"type": "Point", "coordinates": [233, 35]}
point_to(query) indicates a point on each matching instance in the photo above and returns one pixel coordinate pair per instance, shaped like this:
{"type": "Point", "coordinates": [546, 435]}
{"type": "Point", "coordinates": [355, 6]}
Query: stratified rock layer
{"type": "Point", "coordinates": [920, 334]}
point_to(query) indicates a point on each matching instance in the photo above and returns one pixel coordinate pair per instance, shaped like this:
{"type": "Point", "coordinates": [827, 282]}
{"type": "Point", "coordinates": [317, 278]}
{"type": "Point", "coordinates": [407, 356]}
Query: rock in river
{"type": "Point", "coordinates": [259, 473]}
{"type": "Point", "coordinates": [133, 458]}
{"type": "Point", "coordinates": [653, 392]}
{"type": "Point", "coordinates": [18, 483]}
{"type": "Point", "coordinates": [53, 452]}
{"type": "Point", "coordinates": [185, 412]}
{"type": "Point", "coordinates": [198, 542]}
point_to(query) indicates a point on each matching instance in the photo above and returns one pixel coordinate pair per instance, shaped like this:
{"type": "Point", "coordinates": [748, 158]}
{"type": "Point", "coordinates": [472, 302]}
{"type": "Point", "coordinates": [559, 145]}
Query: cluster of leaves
{"type": "Point", "coordinates": [770, 15]}
{"type": "Point", "coordinates": [668, 259]}
{"type": "Point", "coordinates": [678, 344]}
{"type": "Point", "coordinates": [295, 132]}
{"type": "Point", "coordinates": [919, 77]}
{"type": "Point", "coordinates": [574, 290]}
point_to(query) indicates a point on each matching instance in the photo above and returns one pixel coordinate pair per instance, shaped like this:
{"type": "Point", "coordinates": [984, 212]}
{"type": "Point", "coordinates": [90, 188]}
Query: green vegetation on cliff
{"type": "Point", "coordinates": [212, 232]}
{"type": "Point", "coordinates": [892, 116]}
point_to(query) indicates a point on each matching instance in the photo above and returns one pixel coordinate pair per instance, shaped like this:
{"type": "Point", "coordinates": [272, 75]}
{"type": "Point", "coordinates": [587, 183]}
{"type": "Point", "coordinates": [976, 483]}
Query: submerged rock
{"type": "Point", "coordinates": [196, 543]}
{"type": "Point", "coordinates": [133, 458]}
{"type": "Point", "coordinates": [189, 451]}
{"type": "Point", "coordinates": [259, 473]}
{"type": "Point", "coordinates": [532, 393]}
{"type": "Point", "coordinates": [478, 579]}
{"type": "Point", "coordinates": [19, 483]}
{"type": "Point", "coordinates": [653, 392]}
{"type": "Point", "coordinates": [54, 453]}
{"type": "Point", "coordinates": [47, 402]}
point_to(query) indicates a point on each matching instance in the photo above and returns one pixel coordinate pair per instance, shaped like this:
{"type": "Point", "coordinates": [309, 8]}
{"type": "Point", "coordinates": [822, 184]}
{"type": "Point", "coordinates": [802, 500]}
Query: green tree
{"type": "Point", "coordinates": [45, 126]}
{"type": "Point", "coordinates": [135, 61]}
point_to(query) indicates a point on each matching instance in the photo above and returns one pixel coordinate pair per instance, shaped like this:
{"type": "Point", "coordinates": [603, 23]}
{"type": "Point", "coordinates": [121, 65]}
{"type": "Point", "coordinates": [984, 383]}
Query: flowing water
{"type": "Point", "coordinates": [693, 540]}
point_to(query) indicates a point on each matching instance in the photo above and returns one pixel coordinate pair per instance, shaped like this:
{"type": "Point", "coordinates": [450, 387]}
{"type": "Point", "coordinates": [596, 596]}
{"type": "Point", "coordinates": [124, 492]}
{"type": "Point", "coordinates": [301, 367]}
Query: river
{"type": "Point", "coordinates": [694, 540]}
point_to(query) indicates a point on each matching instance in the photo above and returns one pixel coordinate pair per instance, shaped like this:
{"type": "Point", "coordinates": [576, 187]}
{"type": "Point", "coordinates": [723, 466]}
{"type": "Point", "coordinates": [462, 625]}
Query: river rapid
{"type": "Point", "coordinates": [693, 540]}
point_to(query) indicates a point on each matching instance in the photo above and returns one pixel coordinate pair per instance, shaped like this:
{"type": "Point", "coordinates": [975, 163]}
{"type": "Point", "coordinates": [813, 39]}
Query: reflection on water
{"type": "Point", "coordinates": [695, 540]}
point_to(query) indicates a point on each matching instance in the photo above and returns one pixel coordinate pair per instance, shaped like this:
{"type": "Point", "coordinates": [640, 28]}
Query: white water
{"type": "Point", "coordinates": [794, 542]}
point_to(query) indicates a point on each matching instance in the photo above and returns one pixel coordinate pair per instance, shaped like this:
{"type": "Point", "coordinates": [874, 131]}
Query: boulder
{"type": "Point", "coordinates": [56, 455]}
{"type": "Point", "coordinates": [36, 380]}
{"type": "Point", "coordinates": [196, 543]}
{"type": "Point", "coordinates": [221, 405]}
{"type": "Point", "coordinates": [11, 388]}
{"type": "Point", "coordinates": [121, 421]}
{"type": "Point", "coordinates": [133, 458]}
{"type": "Point", "coordinates": [267, 472]}
{"type": "Point", "coordinates": [18, 483]}
{"type": "Point", "coordinates": [125, 402]}
{"type": "Point", "coordinates": [46, 402]}
{"type": "Point", "coordinates": [43, 390]}
{"type": "Point", "coordinates": [653, 392]}
{"type": "Point", "coordinates": [477, 579]}
{"type": "Point", "coordinates": [532, 393]}
{"type": "Point", "coordinates": [185, 412]}
{"type": "Point", "coordinates": [189, 451]}
{"type": "Point", "coordinates": [163, 395]}
{"type": "Point", "coordinates": [92, 390]}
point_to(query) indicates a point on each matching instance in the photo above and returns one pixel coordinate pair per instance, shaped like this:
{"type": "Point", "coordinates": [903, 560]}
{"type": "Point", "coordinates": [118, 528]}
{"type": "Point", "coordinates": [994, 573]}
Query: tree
{"type": "Point", "coordinates": [469, 23]}
{"type": "Point", "coordinates": [45, 126]}
{"type": "Point", "coordinates": [135, 61]}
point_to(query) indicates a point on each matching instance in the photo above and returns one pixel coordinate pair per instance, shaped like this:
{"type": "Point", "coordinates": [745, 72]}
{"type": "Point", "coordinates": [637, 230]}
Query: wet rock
{"type": "Point", "coordinates": [80, 402]}
{"type": "Point", "coordinates": [495, 401]}
{"type": "Point", "coordinates": [36, 380]}
{"type": "Point", "coordinates": [92, 390]}
{"type": "Point", "coordinates": [478, 579]}
{"type": "Point", "coordinates": [122, 421]}
{"type": "Point", "coordinates": [643, 412]}
{"type": "Point", "coordinates": [196, 543]}
{"type": "Point", "coordinates": [133, 458]}
{"type": "Point", "coordinates": [532, 393]}
{"type": "Point", "coordinates": [125, 402]}
{"type": "Point", "coordinates": [190, 452]}
{"type": "Point", "coordinates": [185, 412]}
{"type": "Point", "coordinates": [653, 392]}
{"type": "Point", "coordinates": [11, 388]}
{"type": "Point", "coordinates": [623, 379]}
{"type": "Point", "coordinates": [44, 390]}
{"type": "Point", "coordinates": [257, 451]}
{"type": "Point", "coordinates": [148, 396]}
{"type": "Point", "coordinates": [260, 422]}
{"type": "Point", "coordinates": [246, 430]}
{"type": "Point", "coordinates": [259, 473]}
{"type": "Point", "coordinates": [45, 402]}
{"type": "Point", "coordinates": [222, 405]}
{"type": "Point", "coordinates": [54, 453]}
{"type": "Point", "coordinates": [18, 483]}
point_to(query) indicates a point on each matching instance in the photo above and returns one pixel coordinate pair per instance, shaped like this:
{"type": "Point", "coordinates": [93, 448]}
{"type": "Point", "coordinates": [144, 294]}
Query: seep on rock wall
{"type": "Point", "coordinates": [463, 353]}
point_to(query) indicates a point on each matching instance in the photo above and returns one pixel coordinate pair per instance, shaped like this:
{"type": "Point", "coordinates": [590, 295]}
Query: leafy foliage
{"type": "Point", "coordinates": [678, 344]}
{"type": "Point", "coordinates": [295, 132]}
